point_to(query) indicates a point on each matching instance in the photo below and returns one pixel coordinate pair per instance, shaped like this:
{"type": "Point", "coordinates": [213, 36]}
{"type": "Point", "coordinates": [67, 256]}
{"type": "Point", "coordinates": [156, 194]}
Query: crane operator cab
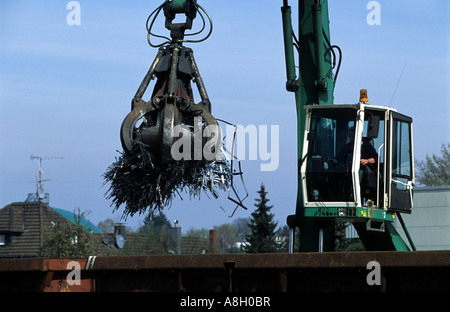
{"type": "Point", "coordinates": [357, 156]}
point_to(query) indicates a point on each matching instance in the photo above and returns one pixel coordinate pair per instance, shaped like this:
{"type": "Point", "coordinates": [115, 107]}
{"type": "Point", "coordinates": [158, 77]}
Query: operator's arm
{"type": "Point", "coordinates": [368, 154]}
{"type": "Point", "coordinates": [367, 161]}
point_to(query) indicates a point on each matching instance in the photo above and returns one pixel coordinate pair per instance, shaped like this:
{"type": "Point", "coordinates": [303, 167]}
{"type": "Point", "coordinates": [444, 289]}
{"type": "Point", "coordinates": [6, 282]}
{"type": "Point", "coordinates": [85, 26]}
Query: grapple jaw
{"type": "Point", "coordinates": [171, 112]}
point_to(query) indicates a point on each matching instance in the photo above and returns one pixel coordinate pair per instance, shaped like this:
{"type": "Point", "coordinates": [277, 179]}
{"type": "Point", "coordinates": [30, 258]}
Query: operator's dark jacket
{"type": "Point", "coordinates": [367, 151]}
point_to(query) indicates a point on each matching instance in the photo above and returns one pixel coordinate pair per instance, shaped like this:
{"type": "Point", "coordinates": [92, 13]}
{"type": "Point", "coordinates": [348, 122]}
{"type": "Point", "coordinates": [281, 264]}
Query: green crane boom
{"type": "Point", "coordinates": [314, 85]}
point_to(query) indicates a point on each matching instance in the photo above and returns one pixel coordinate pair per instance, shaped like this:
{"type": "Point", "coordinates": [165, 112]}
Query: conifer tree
{"type": "Point", "coordinates": [262, 227]}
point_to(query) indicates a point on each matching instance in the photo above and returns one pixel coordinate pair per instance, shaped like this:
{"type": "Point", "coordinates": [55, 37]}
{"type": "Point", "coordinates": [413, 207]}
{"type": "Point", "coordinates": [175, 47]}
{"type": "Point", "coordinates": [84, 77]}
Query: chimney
{"type": "Point", "coordinates": [120, 229]}
{"type": "Point", "coordinates": [212, 241]}
{"type": "Point", "coordinates": [174, 238]}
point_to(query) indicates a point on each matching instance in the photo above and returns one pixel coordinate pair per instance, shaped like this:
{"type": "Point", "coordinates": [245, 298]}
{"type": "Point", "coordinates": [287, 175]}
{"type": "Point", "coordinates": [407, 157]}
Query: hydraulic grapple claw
{"type": "Point", "coordinates": [171, 108]}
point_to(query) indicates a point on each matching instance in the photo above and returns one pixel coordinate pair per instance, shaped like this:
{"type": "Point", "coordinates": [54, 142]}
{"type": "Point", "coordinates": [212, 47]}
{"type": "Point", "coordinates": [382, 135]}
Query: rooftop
{"type": "Point", "coordinates": [88, 225]}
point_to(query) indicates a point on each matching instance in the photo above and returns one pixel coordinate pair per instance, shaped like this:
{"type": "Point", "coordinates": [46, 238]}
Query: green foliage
{"type": "Point", "coordinates": [226, 238]}
{"type": "Point", "coordinates": [107, 226]}
{"type": "Point", "coordinates": [198, 233]}
{"type": "Point", "coordinates": [151, 238]}
{"type": "Point", "coordinates": [67, 239]}
{"type": "Point", "coordinates": [155, 221]}
{"type": "Point", "coordinates": [262, 227]}
{"type": "Point", "coordinates": [355, 244]}
{"type": "Point", "coordinates": [435, 170]}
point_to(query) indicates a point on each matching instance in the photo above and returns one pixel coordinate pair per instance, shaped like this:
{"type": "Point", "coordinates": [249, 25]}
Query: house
{"type": "Point", "coordinates": [167, 241]}
{"type": "Point", "coordinates": [22, 227]}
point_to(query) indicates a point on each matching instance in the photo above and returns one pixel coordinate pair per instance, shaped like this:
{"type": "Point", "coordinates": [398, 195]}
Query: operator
{"type": "Point", "coordinates": [367, 173]}
{"type": "Point", "coordinates": [368, 152]}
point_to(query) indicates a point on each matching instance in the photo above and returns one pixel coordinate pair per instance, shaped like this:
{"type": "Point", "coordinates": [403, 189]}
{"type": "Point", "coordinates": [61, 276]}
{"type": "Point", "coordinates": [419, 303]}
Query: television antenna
{"type": "Point", "coordinates": [40, 194]}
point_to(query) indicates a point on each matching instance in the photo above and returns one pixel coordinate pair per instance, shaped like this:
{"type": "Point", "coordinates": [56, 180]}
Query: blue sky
{"type": "Point", "coordinates": [64, 90]}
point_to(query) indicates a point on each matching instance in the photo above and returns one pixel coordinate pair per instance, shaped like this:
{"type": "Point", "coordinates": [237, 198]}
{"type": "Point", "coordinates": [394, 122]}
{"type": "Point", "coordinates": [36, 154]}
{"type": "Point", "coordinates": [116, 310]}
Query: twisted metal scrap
{"type": "Point", "coordinates": [141, 184]}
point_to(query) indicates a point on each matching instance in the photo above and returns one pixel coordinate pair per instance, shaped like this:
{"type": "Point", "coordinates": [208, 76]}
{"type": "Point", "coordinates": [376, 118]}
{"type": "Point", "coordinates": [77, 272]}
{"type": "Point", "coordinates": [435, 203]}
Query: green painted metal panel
{"type": "Point", "coordinates": [363, 213]}
{"type": "Point", "coordinates": [397, 240]}
{"type": "Point", "coordinates": [309, 92]}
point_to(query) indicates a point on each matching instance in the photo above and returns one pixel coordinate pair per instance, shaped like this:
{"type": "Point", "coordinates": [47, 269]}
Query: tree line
{"type": "Point", "coordinates": [256, 234]}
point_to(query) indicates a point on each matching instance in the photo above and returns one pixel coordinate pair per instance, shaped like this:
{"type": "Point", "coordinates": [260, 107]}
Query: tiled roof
{"type": "Point", "coordinates": [88, 225]}
{"type": "Point", "coordinates": [141, 244]}
{"type": "Point", "coordinates": [21, 225]}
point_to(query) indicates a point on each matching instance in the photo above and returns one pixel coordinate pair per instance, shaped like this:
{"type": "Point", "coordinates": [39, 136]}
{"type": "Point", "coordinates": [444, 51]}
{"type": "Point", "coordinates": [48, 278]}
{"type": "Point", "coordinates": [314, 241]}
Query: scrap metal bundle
{"type": "Point", "coordinates": [170, 143]}
{"type": "Point", "coordinates": [140, 184]}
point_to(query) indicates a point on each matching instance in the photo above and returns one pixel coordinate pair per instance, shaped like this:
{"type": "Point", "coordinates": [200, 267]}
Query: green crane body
{"type": "Point", "coordinates": [314, 85]}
